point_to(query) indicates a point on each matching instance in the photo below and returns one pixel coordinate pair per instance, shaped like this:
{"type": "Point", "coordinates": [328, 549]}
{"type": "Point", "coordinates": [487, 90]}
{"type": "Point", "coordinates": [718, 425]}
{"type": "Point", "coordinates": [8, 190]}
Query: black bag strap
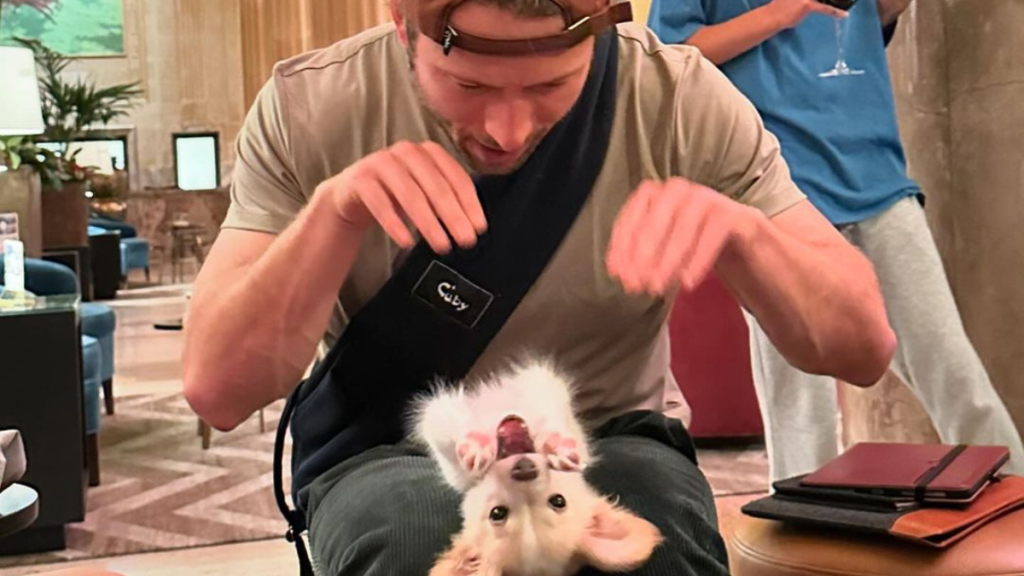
{"type": "Point", "coordinates": [295, 518]}
{"type": "Point", "coordinates": [921, 488]}
{"type": "Point", "coordinates": [436, 314]}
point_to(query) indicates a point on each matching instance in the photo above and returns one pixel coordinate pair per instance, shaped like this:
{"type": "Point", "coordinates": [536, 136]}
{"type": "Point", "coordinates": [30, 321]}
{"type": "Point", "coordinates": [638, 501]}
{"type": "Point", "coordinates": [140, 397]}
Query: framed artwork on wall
{"type": "Point", "coordinates": [197, 160]}
{"type": "Point", "coordinates": [76, 28]}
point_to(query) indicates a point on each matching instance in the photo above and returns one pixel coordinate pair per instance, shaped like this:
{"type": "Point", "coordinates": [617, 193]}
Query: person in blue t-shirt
{"type": "Point", "coordinates": [840, 138]}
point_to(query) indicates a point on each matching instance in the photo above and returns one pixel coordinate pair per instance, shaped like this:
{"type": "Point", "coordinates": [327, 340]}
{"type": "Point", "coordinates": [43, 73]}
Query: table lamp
{"type": "Point", "coordinates": [20, 115]}
{"type": "Point", "coordinates": [20, 111]}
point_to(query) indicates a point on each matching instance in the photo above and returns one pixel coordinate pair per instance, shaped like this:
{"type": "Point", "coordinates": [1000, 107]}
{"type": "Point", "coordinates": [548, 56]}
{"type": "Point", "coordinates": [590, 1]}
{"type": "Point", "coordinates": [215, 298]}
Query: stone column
{"type": "Point", "coordinates": [958, 74]}
{"type": "Point", "coordinates": [986, 232]}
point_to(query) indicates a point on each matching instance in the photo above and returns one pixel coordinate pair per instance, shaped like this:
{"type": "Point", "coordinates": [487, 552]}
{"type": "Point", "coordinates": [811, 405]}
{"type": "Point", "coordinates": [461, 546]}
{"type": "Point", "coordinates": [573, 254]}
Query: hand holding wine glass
{"type": "Point", "coordinates": [841, 68]}
{"type": "Point", "coordinates": [790, 13]}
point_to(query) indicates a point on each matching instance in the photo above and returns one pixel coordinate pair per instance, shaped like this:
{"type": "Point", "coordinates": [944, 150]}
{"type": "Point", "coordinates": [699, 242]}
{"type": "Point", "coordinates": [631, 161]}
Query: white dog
{"type": "Point", "coordinates": [514, 447]}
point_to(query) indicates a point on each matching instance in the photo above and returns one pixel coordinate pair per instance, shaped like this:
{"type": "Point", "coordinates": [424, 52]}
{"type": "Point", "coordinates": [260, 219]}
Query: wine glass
{"type": "Point", "coordinates": [841, 68]}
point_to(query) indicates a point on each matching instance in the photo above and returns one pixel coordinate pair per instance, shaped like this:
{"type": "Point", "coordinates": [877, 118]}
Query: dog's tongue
{"type": "Point", "coordinates": [513, 438]}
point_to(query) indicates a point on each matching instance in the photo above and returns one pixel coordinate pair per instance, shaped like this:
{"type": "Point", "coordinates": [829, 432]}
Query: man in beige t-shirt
{"type": "Point", "coordinates": [354, 153]}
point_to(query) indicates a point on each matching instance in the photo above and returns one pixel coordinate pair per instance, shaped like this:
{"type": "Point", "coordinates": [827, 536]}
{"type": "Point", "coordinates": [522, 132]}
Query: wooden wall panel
{"type": "Point", "coordinates": [273, 30]}
{"type": "Point", "coordinates": [335, 20]}
{"type": "Point", "coordinates": [209, 48]}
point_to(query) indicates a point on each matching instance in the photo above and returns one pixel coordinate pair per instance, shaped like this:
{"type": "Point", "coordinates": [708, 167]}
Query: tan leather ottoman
{"type": "Point", "coordinates": [767, 548]}
{"type": "Point", "coordinates": [81, 572]}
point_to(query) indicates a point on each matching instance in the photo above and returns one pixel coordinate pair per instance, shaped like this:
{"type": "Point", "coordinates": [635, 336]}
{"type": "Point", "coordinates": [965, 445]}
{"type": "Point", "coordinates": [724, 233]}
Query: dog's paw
{"type": "Point", "coordinates": [477, 452]}
{"type": "Point", "coordinates": [562, 453]}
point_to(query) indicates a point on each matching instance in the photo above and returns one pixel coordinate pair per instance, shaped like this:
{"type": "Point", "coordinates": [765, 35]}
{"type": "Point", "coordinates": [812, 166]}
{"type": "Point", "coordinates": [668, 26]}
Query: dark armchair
{"type": "Point", "coordinates": [134, 250]}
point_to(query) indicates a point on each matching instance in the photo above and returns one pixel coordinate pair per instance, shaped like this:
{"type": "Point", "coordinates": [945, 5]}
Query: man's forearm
{"type": "Point", "coordinates": [820, 304]}
{"type": "Point", "coordinates": [720, 43]}
{"type": "Point", "coordinates": [252, 329]}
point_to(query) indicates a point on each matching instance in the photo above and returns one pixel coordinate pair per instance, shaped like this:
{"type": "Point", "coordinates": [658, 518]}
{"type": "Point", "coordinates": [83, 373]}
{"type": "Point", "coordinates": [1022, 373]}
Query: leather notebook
{"type": "Point", "coordinates": [792, 489]}
{"type": "Point", "coordinates": [936, 527]}
{"type": "Point", "coordinates": [917, 471]}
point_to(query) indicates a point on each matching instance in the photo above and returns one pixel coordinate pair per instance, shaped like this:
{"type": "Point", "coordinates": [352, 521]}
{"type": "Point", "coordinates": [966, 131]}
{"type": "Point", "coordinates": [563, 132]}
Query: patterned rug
{"type": "Point", "coordinates": [160, 490]}
{"type": "Point", "coordinates": [735, 471]}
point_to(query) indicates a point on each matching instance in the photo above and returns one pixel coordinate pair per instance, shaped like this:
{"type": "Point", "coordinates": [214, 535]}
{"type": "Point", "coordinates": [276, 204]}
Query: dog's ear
{"type": "Point", "coordinates": [463, 559]}
{"type": "Point", "coordinates": [618, 540]}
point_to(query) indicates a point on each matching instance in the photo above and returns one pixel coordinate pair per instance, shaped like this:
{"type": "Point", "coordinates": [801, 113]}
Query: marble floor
{"type": "Point", "coordinates": [274, 557]}
{"type": "Point", "coordinates": [148, 364]}
{"type": "Point", "coordinates": [148, 361]}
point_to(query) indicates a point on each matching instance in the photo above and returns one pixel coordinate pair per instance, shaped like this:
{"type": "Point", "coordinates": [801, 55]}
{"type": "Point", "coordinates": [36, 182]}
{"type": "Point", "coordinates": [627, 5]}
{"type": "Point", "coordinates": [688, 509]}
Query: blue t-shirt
{"type": "Point", "coordinates": [838, 135]}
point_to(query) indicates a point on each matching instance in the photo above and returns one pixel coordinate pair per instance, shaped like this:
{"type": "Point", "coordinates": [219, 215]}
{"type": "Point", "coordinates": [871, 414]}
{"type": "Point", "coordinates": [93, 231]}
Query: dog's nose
{"type": "Point", "coordinates": [524, 470]}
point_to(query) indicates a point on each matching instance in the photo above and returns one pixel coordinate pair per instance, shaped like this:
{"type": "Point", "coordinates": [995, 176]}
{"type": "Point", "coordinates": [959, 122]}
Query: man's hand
{"type": "Point", "coordinates": [238, 358]}
{"type": "Point", "coordinates": [790, 13]}
{"type": "Point", "coordinates": [816, 296]}
{"type": "Point", "coordinates": [418, 182]}
{"type": "Point", "coordinates": [671, 234]}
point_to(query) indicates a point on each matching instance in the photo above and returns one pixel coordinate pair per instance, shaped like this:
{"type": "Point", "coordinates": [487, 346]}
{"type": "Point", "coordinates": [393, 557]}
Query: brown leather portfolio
{"type": "Point", "coordinates": [936, 527]}
{"type": "Point", "coordinates": [918, 471]}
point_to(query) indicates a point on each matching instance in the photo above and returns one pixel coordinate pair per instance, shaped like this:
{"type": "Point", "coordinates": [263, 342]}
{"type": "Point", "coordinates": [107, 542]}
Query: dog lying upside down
{"type": "Point", "coordinates": [515, 449]}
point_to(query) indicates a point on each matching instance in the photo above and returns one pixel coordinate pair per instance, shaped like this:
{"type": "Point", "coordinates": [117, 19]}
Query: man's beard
{"type": "Point", "coordinates": [484, 169]}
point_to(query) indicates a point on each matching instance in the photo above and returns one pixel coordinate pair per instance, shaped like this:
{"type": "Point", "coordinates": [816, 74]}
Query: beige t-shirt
{"type": "Point", "coordinates": [676, 115]}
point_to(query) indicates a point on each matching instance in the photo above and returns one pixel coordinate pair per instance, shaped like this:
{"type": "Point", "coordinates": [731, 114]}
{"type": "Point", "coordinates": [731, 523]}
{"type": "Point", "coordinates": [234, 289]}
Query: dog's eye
{"type": "Point", "coordinates": [557, 501]}
{"type": "Point", "coordinates": [499, 514]}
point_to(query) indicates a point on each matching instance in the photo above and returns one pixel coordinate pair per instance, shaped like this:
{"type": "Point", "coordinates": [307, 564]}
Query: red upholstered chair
{"type": "Point", "coordinates": [711, 363]}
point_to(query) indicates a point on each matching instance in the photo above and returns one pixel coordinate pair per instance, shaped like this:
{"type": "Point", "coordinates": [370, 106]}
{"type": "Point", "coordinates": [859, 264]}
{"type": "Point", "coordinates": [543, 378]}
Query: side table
{"type": "Point", "coordinates": [19, 508]}
{"type": "Point", "coordinates": [41, 363]}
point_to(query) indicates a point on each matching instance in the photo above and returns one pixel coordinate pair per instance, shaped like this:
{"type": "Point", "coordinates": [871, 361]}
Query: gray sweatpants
{"type": "Point", "coordinates": [934, 356]}
{"type": "Point", "coordinates": [387, 512]}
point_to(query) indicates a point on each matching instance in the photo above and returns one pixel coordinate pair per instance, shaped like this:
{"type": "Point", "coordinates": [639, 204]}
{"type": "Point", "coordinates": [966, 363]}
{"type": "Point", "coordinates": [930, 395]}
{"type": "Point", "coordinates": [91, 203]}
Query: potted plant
{"type": "Point", "coordinates": [71, 111]}
{"type": "Point", "coordinates": [21, 152]}
{"type": "Point", "coordinates": [20, 190]}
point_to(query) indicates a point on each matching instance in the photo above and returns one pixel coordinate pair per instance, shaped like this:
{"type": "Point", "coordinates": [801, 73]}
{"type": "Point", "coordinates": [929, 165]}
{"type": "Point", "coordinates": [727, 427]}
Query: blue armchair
{"type": "Point", "coordinates": [45, 278]}
{"type": "Point", "coordinates": [126, 230]}
{"type": "Point", "coordinates": [134, 250]}
{"type": "Point", "coordinates": [91, 383]}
